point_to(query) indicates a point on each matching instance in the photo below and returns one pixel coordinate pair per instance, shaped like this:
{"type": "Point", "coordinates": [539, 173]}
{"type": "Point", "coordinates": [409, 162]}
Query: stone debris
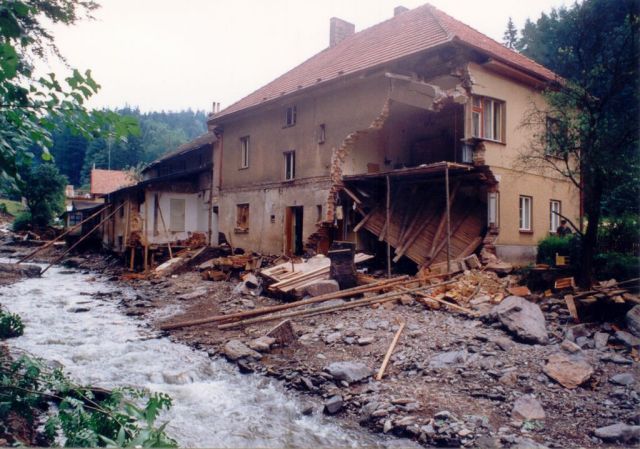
{"type": "Point", "coordinates": [570, 371]}
{"type": "Point", "coordinates": [522, 318]}
{"type": "Point", "coordinates": [618, 432]}
{"type": "Point", "coordinates": [262, 344]}
{"type": "Point", "coordinates": [235, 350]}
{"type": "Point", "coordinates": [527, 408]}
{"type": "Point", "coordinates": [349, 371]}
{"type": "Point", "coordinates": [632, 319]}
{"type": "Point", "coordinates": [333, 405]}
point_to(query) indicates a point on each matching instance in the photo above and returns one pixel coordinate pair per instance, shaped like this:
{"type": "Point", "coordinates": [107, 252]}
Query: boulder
{"type": "Point", "coordinates": [570, 371]}
{"type": "Point", "coordinates": [628, 339]}
{"type": "Point", "coordinates": [618, 432]}
{"type": "Point", "coordinates": [622, 379]}
{"type": "Point", "coordinates": [601, 339]}
{"type": "Point", "coordinates": [632, 319]}
{"type": "Point", "coordinates": [522, 318]}
{"type": "Point", "coordinates": [333, 405]}
{"type": "Point", "coordinates": [22, 270]}
{"type": "Point", "coordinates": [527, 408]}
{"type": "Point", "coordinates": [322, 287]}
{"type": "Point", "coordinates": [235, 350]}
{"type": "Point", "coordinates": [349, 371]}
{"type": "Point", "coordinates": [262, 344]}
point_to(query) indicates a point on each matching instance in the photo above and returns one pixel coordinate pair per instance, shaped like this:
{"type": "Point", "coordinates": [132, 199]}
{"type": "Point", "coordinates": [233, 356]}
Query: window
{"type": "Point", "coordinates": [290, 116]}
{"type": "Point", "coordinates": [244, 152]}
{"type": "Point", "coordinates": [319, 217]}
{"type": "Point", "coordinates": [555, 209]}
{"type": "Point", "coordinates": [322, 133]}
{"type": "Point", "coordinates": [487, 119]}
{"type": "Point", "coordinates": [176, 214]}
{"type": "Point", "coordinates": [75, 218]}
{"type": "Point", "coordinates": [492, 209]}
{"type": "Point", "coordinates": [289, 165]}
{"type": "Point", "coordinates": [242, 218]}
{"type": "Point", "coordinates": [525, 213]}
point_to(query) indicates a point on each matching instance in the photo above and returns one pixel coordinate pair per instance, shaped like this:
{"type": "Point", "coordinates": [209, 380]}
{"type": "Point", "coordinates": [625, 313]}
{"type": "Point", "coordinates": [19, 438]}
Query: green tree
{"type": "Point", "coordinates": [591, 122]}
{"type": "Point", "coordinates": [43, 190]}
{"type": "Point", "coordinates": [510, 36]}
{"type": "Point", "coordinates": [32, 107]}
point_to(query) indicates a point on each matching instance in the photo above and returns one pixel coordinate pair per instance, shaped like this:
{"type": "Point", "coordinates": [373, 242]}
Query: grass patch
{"type": "Point", "coordinates": [12, 207]}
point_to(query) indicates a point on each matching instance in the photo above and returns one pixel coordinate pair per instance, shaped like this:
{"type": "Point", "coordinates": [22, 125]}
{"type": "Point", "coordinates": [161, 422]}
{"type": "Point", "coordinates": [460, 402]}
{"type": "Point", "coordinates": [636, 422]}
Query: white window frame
{"type": "Point", "coordinates": [245, 146]}
{"type": "Point", "coordinates": [555, 209]}
{"type": "Point", "coordinates": [289, 165]}
{"type": "Point", "coordinates": [493, 209]}
{"type": "Point", "coordinates": [488, 119]}
{"type": "Point", "coordinates": [526, 213]}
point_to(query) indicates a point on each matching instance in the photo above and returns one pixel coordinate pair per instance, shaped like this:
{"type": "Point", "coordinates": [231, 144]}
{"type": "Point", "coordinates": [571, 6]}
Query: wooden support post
{"type": "Point", "coordinates": [446, 176]}
{"type": "Point", "coordinates": [132, 258]}
{"type": "Point", "coordinates": [146, 257]}
{"type": "Point", "coordinates": [364, 220]}
{"type": "Point", "coordinates": [388, 207]}
{"type": "Point", "coordinates": [387, 356]}
{"type": "Point", "coordinates": [164, 226]}
{"type": "Point", "coordinates": [48, 244]}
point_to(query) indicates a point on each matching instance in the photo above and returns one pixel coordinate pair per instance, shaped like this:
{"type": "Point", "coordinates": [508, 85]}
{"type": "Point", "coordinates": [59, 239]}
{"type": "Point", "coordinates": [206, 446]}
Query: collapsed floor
{"type": "Point", "coordinates": [460, 375]}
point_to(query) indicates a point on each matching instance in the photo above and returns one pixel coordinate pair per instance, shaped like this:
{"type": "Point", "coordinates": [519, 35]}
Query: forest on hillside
{"type": "Point", "coordinates": [160, 132]}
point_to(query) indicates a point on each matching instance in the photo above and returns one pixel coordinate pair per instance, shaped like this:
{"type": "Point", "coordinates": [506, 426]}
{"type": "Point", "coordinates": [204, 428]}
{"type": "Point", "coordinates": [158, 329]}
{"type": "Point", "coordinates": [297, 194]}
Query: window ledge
{"type": "Point", "coordinates": [244, 168]}
{"type": "Point", "coordinates": [525, 231]}
{"type": "Point", "coordinates": [484, 139]}
{"type": "Point", "coordinates": [288, 126]}
{"type": "Point", "coordinates": [241, 231]}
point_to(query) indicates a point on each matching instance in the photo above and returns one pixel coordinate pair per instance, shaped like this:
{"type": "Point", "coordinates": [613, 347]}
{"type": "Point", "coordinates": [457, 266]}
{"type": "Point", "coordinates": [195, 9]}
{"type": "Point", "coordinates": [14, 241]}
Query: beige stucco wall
{"type": "Point", "coordinates": [516, 179]}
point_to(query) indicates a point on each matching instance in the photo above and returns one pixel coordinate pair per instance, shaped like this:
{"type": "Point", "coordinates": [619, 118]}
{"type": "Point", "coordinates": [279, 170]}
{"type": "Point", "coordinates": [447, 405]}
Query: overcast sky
{"type": "Point", "coordinates": [173, 55]}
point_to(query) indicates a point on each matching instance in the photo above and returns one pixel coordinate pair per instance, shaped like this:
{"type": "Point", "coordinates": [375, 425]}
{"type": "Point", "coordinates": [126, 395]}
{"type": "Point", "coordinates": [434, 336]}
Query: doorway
{"type": "Point", "coordinates": [293, 230]}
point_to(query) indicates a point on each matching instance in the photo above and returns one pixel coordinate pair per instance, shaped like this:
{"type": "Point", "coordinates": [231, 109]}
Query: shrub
{"type": "Point", "coordinates": [22, 222]}
{"type": "Point", "coordinates": [10, 325]}
{"type": "Point", "coordinates": [617, 266]}
{"type": "Point", "coordinates": [620, 235]}
{"type": "Point", "coordinates": [549, 246]}
{"type": "Point", "coordinates": [3, 208]}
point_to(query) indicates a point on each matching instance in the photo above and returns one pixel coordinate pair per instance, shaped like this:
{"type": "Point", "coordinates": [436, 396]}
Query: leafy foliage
{"type": "Point", "coordinates": [22, 222]}
{"type": "Point", "coordinates": [510, 36]}
{"type": "Point", "coordinates": [84, 416]}
{"type": "Point", "coordinates": [10, 325]}
{"type": "Point", "coordinates": [31, 106]}
{"type": "Point", "coordinates": [44, 191]}
{"type": "Point", "coordinates": [552, 245]}
{"type": "Point", "coordinates": [589, 130]}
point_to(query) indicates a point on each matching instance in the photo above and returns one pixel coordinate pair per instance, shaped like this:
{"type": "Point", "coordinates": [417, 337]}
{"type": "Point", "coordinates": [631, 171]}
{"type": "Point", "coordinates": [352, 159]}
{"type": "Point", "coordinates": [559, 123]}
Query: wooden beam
{"type": "Point", "coordinates": [443, 220]}
{"type": "Point", "coordinates": [364, 220]}
{"type": "Point", "coordinates": [387, 356]}
{"type": "Point", "coordinates": [387, 225]}
{"type": "Point", "coordinates": [353, 196]}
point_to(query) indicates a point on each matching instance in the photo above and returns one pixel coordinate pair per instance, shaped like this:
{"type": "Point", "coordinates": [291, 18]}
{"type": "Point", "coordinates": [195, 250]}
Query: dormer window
{"type": "Point", "coordinates": [487, 119]}
{"type": "Point", "coordinates": [290, 116]}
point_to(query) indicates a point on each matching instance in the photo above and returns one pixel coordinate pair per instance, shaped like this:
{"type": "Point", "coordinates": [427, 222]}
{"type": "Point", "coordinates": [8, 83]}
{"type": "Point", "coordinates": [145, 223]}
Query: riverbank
{"type": "Point", "coordinates": [453, 380]}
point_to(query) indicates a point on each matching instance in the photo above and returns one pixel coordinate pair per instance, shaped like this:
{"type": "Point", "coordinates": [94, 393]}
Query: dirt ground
{"type": "Point", "coordinates": [453, 380]}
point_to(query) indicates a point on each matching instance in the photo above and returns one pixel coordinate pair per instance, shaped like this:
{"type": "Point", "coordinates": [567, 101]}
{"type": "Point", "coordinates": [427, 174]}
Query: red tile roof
{"type": "Point", "coordinates": [408, 33]}
{"type": "Point", "coordinates": [107, 181]}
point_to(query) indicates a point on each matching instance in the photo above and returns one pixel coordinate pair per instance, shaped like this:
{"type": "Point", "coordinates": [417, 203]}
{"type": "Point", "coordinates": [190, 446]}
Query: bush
{"type": "Point", "coordinates": [22, 222]}
{"type": "Point", "coordinates": [3, 209]}
{"type": "Point", "coordinates": [549, 246]}
{"type": "Point", "coordinates": [10, 325]}
{"type": "Point", "coordinates": [617, 266]}
{"type": "Point", "coordinates": [620, 235]}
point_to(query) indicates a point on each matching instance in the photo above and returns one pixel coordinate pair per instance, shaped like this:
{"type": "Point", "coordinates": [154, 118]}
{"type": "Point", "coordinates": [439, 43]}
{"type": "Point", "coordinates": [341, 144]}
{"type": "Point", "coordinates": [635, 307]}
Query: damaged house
{"type": "Point", "coordinates": [402, 136]}
{"type": "Point", "coordinates": [169, 208]}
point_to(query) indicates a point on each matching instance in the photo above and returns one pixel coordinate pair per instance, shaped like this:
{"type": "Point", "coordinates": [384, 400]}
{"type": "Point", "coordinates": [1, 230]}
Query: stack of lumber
{"type": "Point", "coordinates": [289, 276]}
{"type": "Point", "coordinates": [417, 226]}
{"type": "Point", "coordinates": [608, 293]}
{"type": "Point", "coordinates": [238, 262]}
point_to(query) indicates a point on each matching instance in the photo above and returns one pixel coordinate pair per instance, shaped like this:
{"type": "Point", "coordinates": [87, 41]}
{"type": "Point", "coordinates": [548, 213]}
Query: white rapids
{"type": "Point", "coordinates": [214, 405]}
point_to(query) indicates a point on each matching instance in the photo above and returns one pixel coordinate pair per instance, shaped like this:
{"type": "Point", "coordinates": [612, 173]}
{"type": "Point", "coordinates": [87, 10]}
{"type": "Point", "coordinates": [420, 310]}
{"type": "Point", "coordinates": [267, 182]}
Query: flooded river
{"type": "Point", "coordinates": [214, 405]}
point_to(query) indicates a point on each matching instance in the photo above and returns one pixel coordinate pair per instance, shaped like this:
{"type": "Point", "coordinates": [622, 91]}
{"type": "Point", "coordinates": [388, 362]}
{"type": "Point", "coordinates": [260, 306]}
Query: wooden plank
{"type": "Point", "coordinates": [571, 305]}
{"type": "Point", "coordinates": [443, 221]}
{"type": "Point", "coordinates": [353, 196]}
{"type": "Point", "coordinates": [412, 237]}
{"type": "Point", "coordinates": [364, 220]}
{"type": "Point", "coordinates": [387, 356]}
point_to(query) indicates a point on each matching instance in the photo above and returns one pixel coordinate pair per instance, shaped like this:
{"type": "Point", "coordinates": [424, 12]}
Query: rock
{"type": "Point", "coordinates": [177, 378]}
{"type": "Point", "coordinates": [570, 371]}
{"type": "Point", "coordinates": [616, 358]}
{"type": "Point", "coordinates": [627, 338]}
{"type": "Point", "coordinates": [601, 339]}
{"type": "Point", "coordinates": [333, 337]}
{"type": "Point", "coordinates": [522, 318]}
{"type": "Point", "coordinates": [349, 371]}
{"type": "Point", "coordinates": [307, 409]}
{"type": "Point", "coordinates": [583, 342]}
{"type": "Point", "coordinates": [322, 287]}
{"type": "Point", "coordinates": [73, 262]}
{"type": "Point", "coordinates": [235, 350]}
{"type": "Point", "coordinates": [363, 341]}
{"type": "Point", "coordinates": [622, 379]}
{"type": "Point", "coordinates": [570, 346]}
{"type": "Point", "coordinates": [406, 421]}
{"type": "Point", "coordinates": [77, 309]}
{"type": "Point", "coordinates": [503, 343]}
{"type": "Point", "coordinates": [22, 270]}
{"type": "Point", "coordinates": [262, 344]}
{"type": "Point", "coordinates": [388, 425]}
{"type": "Point", "coordinates": [448, 359]}
{"type": "Point", "coordinates": [632, 318]}
{"type": "Point", "coordinates": [244, 366]}
{"type": "Point", "coordinates": [503, 268]}
{"type": "Point", "coordinates": [527, 408]}
{"type": "Point", "coordinates": [579, 330]}
{"type": "Point", "coordinates": [406, 300]}
{"type": "Point", "coordinates": [526, 443]}
{"type": "Point", "coordinates": [618, 432]}
{"type": "Point", "coordinates": [333, 405]}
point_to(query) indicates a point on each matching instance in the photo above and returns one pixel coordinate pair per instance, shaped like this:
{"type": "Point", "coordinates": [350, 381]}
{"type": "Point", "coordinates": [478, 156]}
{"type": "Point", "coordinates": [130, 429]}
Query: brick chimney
{"type": "Point", "coordinates": [399, 10]}
{"type": "Point", "coordinates": [339, 30]}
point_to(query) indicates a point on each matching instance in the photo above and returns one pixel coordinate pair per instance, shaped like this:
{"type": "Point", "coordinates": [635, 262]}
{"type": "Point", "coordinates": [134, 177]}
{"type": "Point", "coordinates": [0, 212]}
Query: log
{"type": "Point", "coordinates": [265, 310]}
{"type": "Point", "coordinates": [387, 356]}
{"type": "Point", "coordinates": [356, 303]}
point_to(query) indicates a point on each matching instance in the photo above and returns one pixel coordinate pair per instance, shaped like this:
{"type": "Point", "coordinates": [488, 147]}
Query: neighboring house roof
{"type": "Point", "coordinates": [200, 141]}
{"type": "Point", "coordinates": [107, 181]}
{"type": "Point", "coordinates": [408, 33]}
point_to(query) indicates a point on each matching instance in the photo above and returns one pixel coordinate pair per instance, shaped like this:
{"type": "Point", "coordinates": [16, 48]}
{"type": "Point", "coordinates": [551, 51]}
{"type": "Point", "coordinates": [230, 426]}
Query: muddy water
{"type": "Point", "coordinates": [214, 406]}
